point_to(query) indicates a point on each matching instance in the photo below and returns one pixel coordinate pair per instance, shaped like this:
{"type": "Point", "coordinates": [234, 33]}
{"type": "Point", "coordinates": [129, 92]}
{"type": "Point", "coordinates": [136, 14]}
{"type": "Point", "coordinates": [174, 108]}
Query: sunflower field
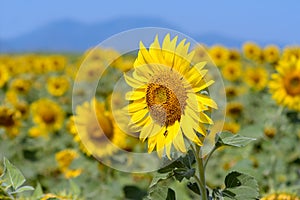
{"type": "Point", "coordinates": [51, 146]}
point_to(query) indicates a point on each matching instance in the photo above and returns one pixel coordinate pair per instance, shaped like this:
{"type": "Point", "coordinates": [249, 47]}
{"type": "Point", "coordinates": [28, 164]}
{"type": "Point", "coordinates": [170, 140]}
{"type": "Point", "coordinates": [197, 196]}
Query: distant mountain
{"type": "Point", "coordinates": [73, 36]}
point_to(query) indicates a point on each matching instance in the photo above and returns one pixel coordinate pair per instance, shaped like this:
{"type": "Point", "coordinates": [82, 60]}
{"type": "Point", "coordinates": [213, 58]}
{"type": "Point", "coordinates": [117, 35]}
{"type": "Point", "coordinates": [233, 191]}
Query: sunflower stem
{"type": "Point", "coordinates": [201, 172]}
{"type": "Point", "coordinates": [209, 155]}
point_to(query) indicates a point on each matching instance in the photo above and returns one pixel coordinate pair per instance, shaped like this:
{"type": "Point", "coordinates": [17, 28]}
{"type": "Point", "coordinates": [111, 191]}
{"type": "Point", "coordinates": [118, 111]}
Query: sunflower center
{"type": "Point", "coordinates": [163, 104]}
{"type": "Point", "coordinates": [49, 118]}
{"type": "Point", "coordinates": [7, 120]}
{"type": "Point", "coordinates": [292, 84]}
{"type": "Point", "coordinates": [166, 98]}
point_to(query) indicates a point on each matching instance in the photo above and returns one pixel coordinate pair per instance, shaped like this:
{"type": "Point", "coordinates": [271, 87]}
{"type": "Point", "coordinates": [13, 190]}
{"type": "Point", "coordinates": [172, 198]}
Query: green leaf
{"type": "Point", "coordinates": [23, 189]}
{"type": "Point", "coordinates": [158, 178]}
{"type": "Point", "coordinates": [134, 193]}
{"type": "Point", "coordinates": [182, 162]}
{"type": "Point", "coordinates": [171, 195]}
{"type": "Point", "coordinates": [234, 140]}
{"type": "Point", "coordinates": [15, 176]}
{"type": "Point", "coordinates": [194, 187]}
{"type": "Point", "coordinates": [75, 190]}
{"type": "Point", "coordinates": [159, 193]}
{"type": "Point", "coordinates": [240, 186]}
{"type": "Point", "coordinates": [182, 173]}
{"type": "Point", "coordinates": [38, 192]}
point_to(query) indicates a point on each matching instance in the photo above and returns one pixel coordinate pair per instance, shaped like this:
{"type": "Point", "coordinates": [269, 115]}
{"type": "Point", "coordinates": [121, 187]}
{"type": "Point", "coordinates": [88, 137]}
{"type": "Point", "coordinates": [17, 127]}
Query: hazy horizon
{"type": "Point", "coordinates": [266, 20]}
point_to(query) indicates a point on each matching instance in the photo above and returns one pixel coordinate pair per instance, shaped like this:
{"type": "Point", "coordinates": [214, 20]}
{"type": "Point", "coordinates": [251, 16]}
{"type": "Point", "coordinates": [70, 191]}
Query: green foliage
{"type": "Point", "coordinates": [240, 187]}
{"type": "Point", "coordinates": [12, 180]}
{"type": "Point", "coordinates": [234, 140]}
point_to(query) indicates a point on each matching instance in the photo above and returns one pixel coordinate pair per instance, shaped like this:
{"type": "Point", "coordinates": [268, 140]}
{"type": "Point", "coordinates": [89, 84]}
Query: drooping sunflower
{"type": "Point", "coordinates": [166, 104]}
{"type": "Point", "coordinates": [48, 114]}
{"type": "Point", "coordinates": [285, 85]}
{"type": "Point", "coordinates": [97, 130]}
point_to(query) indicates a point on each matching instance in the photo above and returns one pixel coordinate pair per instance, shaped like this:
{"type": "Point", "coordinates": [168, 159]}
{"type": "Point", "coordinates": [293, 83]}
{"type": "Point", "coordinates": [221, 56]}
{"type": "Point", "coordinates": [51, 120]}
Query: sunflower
{"type": "Point", "coordinates": [271, 53]}
{"type": "Point", "coordinates": [48, 114]}
{"type": "Point", "coordinates": [234, 109]}
{"type": "Point", "coordinates": [232, 71]}
{"type": "Point", "coordinates": [256, 77]}
{"type": "Point", "coordinates": [64, 160]}
{"type": "Point", "coordinates": [252, 51]}
{"type": "Point", "coordinates": [234, 55]}
{"type": "Point", "coordinates": [58, 86]}
{"type": "Point", "coordinates": [10, 120]}
{"type": "Point", "coordinates": [285, 85]}
{"type": "Point", "coordinates": [292, 52]}
{"type": "Point", "coordinates": [166, 102]}
{"type": "Point", "coordinates": [232, 127]}
{"type": "Point", "coordinates": [20, 85]}
{"type": "Point", "coordinates": [280, 196]}
{"type": "Point", "coordinates": [97, 130]}
{"type": "Point", "coordinates": [4, 75]}
{"type": "Point", "coordinates": [57, 62]}
{"type": "Point", "coordinates": [219, 55]}
{"type": "Point", "coordinates": [233, 91]}
{"type": "Point", "coordinates": [270, 131]}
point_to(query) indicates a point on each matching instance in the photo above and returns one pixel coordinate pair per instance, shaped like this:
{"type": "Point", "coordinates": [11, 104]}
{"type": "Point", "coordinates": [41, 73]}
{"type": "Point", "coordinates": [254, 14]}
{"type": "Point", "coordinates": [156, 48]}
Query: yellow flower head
{"type": "Point", "coordinates": [37, 131]}
{"type": "Point", "coordinates": [20, 86]}
{"type": "Point", "coordinates": [234, 55]}
{"type": "Point", "coordinates": [48, 114]}
{"type": "Point", "coordinates": [232, 71]}
{"type": "Point", "coordinates": [232, 127]}
{"type": "Point", "coordinates": [252, 51]}
{"type": "Point", "coordinates": [4, 75]}
{"type": "Point", "coordinates": [65, 158]}
{"type": "Point", "coordinates": [166, 103]}
{"type": "Point", "coordinates": [58, 86]}
{"type": "Point", "coordinates": [290, 53]}
{"type": "Point", "coordinates": [280, 196]}
{"type": "Point", "coordinates": [271, 53]}
{"type": "Point", "coordinates": [219, 55]}
{"type": "Point", "coordinates": [270, 131]}
{"type": "Point", "coordinates": [10, 120]}
{"type": "Point", "coordinates": [256, 78]}
{"type": "Point", "coordinates": [234, 109]}
{"type": "Point", "coordinates": [97, 130]}
{"type": "Point", "coordinates": [285, 85]}
{"type": "Point", "coordinates": [57, 62]}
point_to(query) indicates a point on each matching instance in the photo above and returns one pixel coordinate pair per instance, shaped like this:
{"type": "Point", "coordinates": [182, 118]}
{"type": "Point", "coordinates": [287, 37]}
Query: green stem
{"type": "Point", "coordinates": [201, 172]}
{"type": "Point", "coordinates": [209, 155]}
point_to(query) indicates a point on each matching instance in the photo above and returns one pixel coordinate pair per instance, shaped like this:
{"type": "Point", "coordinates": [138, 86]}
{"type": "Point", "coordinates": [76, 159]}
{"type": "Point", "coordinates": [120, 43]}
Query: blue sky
{"type": "Point", "coordinates": [258, 20]}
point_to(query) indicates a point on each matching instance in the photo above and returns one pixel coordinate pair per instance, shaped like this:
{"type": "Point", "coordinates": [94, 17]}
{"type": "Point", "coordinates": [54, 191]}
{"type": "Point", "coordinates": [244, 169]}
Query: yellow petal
{"type": "Point", "coordinates": [203, 86]}
{"type": "Point", "coordinates": [135, 95]}
{"type": "Point", "coordinates": [138, 116]}
{"type": "Point", "coordinates": [188, 130]}
{"type": "Point", "coordinates": [134, 82]}
{"type": "Point", "coordinates": [168, 48]}
{"type": "Point", "coordinates": [206, 100]}
{"type": "Point", "coordinates": [179, 142]}
{"type": "Point", "coordinates": [133, 107]}
{"type": "Point", "coordinates": [146, 131]}
{"type": "Point", "coordinates": [168, 151]}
